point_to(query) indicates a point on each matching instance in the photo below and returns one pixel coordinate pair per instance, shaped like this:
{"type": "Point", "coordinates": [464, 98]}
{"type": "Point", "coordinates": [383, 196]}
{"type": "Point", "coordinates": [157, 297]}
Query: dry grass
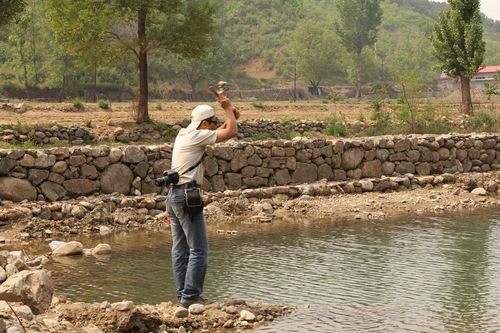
{"type": "Point", "coordinates": [121, 114]}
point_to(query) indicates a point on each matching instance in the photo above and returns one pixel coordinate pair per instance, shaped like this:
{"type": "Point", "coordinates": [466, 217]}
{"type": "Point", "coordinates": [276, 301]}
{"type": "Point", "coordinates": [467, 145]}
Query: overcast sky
{"type": "Point", "coordinates": [490, 8]}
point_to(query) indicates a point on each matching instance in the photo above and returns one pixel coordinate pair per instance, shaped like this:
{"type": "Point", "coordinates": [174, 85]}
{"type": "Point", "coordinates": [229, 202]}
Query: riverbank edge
{"type": "Point", "coordinates": [366, 199]}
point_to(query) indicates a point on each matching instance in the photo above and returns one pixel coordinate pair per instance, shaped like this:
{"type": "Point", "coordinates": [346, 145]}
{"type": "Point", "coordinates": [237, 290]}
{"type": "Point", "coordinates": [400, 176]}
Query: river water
{"type": "Point", "coordinates": [413, 275]}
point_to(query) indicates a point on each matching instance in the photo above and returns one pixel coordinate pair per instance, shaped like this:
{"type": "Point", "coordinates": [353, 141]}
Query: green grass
{"type": "Point", "coordinates": [258, 105]}
{"type": "Point", "coordinates": [105, 105]}
{"type": "Point", "coordinates": [485, 120]}
{"type": "Point", "coordinates": [257, 136]}
{"type": "Point", "coordinates": [78, 104]}
{"type": "Point", "coordinates": [335, 127]}
{"type": "Point", "coordinates": [289, 134]}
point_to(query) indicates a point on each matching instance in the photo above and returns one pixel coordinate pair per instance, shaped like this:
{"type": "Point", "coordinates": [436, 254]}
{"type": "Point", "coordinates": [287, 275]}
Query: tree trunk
{"type": "Point", "coordinates": [295, 82]}
{"type": "Point", "coordinates": [358, 70]}
{"type": "Point", "coordinates": [315, 87]}
{"type": "Point", "coordinates": [142, 112]}
{"type": "Point", "coordinates": [466, 96]}
{"type": "Point", "coordinates": [94, 93]}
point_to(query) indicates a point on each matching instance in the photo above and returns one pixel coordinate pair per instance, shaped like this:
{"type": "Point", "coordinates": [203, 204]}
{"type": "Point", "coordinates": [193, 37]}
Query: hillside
{"type": "Point", "coordinates": [259, 29]}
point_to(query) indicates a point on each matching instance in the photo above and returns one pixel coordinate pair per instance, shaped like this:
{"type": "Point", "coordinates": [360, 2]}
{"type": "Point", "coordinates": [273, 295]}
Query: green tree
{"type": "Point", "coordinates": [315, 50]}
{"type": "Point", "coordinates": [357, 26]}
{"type": "Point", "coordinates": [140, 27]}
{"type": "Point", "coordinates": [10, 8]}
{"type": "Point", "coordinates": [84, 36]}
{"type": "Point", "coordinates": [210, 66]}
{"type": "Point", "coordinates": [458, 44]}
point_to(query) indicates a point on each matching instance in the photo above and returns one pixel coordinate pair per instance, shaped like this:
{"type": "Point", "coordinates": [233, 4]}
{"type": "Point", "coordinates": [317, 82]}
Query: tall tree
{"type": "Point", "coordinates": [357, 26]}
{"type": "Point", "coordinates": [84, 36]}
{"type": "Point", "coordinates": [9, 8]}
{"type": "Point", "coordinates": [141, 27]}
{"type": "Point", "coordinates": [315, 51]}
{"type": "Point", "coordinates": [458, 44]}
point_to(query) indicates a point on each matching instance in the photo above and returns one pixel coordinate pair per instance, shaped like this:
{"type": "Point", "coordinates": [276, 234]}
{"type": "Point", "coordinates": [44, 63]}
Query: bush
{"type": "Point", "coordinates": [258, 105]}
{"type": "Point", "coordinates": [335, 127]}
{"type": "Point", "coordinates": [104, 104]}
{"type": "Point", "coordinates": [78, 104]}
{"type": "Point", "coordinates": [159, 126]}
{"type": "Point", "coordinates": [378, 115]}
{"type": "Point", "coordinates": [290, 134]}
{"type": "Point", "coordinates": [483, 120]}
{"type": "Point", "coordinates": [336, 97]}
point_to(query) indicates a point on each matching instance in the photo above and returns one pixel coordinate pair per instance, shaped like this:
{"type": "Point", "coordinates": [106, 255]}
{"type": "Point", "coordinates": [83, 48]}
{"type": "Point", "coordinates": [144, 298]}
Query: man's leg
{"type": "Point", "coordinates": [180, 248]}
{"type": "Point", "coordinates": [196, 236]}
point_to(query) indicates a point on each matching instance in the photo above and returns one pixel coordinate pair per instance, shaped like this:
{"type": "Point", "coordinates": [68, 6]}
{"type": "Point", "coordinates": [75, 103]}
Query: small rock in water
{"type": "Point", "coordinates": [123, 306]}
{"type": "Point", "coordinates": [103, 230]}
{"type": "Point", "coordinates": [247, 315]}
{"type": "Point", "coordinates": [101, 249]}
{"type": "Point", "coordinates": [181, 312]}
{"type": "Point", "coordinates": [196, 308]}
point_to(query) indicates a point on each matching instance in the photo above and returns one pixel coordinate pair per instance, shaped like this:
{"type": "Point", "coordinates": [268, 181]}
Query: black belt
{"type": "Point", "coordinates": [186, 185]}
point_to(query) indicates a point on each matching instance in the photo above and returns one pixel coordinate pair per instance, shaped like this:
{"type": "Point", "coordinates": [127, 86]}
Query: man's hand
{"type": "Point", "coordinates": [225, 103]}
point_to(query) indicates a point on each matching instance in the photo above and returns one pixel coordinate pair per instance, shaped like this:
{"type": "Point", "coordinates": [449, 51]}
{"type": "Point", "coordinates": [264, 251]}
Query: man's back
{"type": "Point", "coordinates": [189, 148]}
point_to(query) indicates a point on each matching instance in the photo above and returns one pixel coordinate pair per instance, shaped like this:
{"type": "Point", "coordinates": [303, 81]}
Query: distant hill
{"type": "Point", "coordinates": [258, 29]}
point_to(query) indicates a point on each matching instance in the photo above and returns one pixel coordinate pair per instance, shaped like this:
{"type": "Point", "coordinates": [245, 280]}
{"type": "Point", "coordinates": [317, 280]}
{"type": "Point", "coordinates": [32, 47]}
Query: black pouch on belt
{"type": "Point", "coordinates": [194, 200]}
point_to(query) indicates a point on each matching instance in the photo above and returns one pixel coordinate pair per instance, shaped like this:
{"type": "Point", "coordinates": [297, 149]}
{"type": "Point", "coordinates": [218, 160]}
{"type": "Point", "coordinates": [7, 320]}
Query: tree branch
{"type": "Point", "coordinates": [124, 43]}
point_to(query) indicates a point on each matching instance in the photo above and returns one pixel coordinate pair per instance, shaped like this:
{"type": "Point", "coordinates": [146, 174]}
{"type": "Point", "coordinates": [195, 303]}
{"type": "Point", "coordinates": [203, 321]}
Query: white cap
{"type": "Point", "coordinates": [200, 113]}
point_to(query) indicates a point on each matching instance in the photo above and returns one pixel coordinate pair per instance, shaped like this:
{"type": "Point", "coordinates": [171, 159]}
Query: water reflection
{"type": "Point", "coordinates": [427, 275]}
{"type": "Point", "coordinates": [465, 303]}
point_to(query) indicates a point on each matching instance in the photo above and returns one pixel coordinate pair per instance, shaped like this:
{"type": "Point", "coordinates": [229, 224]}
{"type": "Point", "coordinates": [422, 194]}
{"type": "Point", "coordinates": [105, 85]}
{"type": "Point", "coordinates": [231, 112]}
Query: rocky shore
{"type": "Point", "coordinates": [28, 304]}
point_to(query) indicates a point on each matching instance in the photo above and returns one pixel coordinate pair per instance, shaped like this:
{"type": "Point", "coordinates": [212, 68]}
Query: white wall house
{"type": "Point", "coordinates": [446, 84]}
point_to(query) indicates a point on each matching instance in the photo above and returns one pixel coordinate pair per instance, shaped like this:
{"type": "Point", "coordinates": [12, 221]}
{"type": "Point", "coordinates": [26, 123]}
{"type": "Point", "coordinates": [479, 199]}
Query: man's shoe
{"type": "Point", "coordinates": [198, 300]}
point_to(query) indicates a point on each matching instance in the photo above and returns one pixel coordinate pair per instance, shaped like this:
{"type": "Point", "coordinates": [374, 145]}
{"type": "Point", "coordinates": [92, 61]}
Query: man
{"type": "Point", "coordinates": [189, 236]}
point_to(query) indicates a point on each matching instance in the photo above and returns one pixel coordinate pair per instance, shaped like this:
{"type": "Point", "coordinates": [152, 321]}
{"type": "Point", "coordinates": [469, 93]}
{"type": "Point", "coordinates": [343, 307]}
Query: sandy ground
{"type": "Point", "coordinates": [121, 114]}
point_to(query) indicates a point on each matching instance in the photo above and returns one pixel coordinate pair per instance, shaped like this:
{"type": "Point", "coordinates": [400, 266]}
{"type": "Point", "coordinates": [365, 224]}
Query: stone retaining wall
{"type": "Point", "coordinates": [78, 135]}
{"type": "Point", "coordinates": [60, 173]}
{"type": "Point", "coordinates": [46, 135]}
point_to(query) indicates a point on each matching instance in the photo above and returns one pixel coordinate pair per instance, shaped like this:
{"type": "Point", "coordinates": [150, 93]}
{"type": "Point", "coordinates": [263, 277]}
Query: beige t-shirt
{"type": "Point", "coordinates": [189, 147]}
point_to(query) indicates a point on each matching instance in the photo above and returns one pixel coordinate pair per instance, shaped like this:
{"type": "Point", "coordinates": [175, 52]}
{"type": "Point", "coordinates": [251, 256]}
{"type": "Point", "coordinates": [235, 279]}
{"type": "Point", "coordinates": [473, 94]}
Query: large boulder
{"type": "Point", "coordinates": [80, 186]}
{"type": "Point", "coordinates": [16, 189]}
{"type": "Point", "coordinates": [133, 155]}
{"type": "Point", "coordinates": [6, 164]}
{"type": "Point", "coordinates": [351, 158]}
{"type": "Point", "coordinates": [372, 169]}
{"type": "Point", "coordinates": [117, 178]}
{"type": "Point", "coordinates": [305, 173]}
{"type": "Point", "coordinates": [52, 191]}
{"type": "Point", "coordinates": [33, 288]}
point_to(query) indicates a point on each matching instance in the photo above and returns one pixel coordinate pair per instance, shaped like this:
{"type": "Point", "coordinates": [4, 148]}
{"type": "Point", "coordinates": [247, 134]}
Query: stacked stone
{"type": "Point", "coordinates": [278, 162]}
{"type": "Point", "coordinates": [53, 135]}
{"type": "Point", "coordinates": [277, 129]}
{"type": "Point", "coordinates": [60, 173]}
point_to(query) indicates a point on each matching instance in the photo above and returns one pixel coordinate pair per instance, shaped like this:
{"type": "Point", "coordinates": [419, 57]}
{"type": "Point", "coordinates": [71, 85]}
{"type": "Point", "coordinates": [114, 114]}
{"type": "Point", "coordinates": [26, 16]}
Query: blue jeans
{"type": "Point", "coordinates": [189, 246]}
